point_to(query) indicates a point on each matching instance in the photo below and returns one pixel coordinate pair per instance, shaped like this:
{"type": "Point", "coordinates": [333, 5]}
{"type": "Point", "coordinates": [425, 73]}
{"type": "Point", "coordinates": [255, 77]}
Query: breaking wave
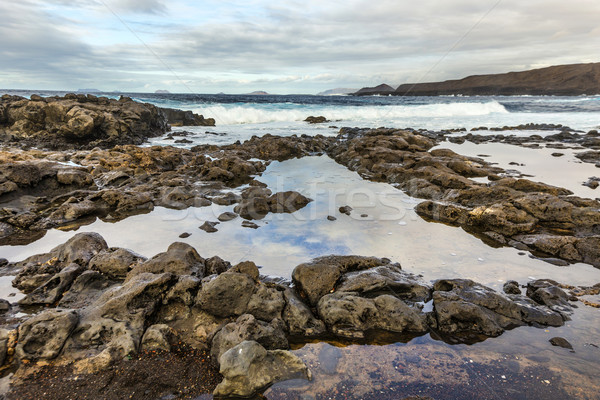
{"type": "Point", "coordinates": [258, 113]}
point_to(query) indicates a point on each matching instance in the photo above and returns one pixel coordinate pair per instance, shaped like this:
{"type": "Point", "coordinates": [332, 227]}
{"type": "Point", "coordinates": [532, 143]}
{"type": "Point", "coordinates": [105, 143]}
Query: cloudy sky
{"type": "Point", "coordinates": [283, 47]}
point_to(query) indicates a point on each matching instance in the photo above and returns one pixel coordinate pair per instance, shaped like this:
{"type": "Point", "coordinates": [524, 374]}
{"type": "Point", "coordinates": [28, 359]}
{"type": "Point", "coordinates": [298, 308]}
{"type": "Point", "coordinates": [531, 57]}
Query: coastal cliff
{"type": "Point", "coordinates": [561, 80]}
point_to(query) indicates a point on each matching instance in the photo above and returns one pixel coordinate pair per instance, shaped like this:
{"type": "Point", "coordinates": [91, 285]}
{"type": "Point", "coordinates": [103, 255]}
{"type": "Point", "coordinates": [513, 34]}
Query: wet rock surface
{"type": "Point", "coordinates": [249, 368]}
{"type": "Point", "coordinates": [119, 305]}
{"type": "Point", "coordinates": [507, 211]}
{"type": "Point", "coordinates": [177, 117]}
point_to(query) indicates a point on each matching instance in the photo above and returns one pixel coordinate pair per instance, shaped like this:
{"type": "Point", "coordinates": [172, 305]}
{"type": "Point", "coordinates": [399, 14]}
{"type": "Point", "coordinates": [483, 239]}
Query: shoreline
{"type": "Point", "coordinates": [116, 303]}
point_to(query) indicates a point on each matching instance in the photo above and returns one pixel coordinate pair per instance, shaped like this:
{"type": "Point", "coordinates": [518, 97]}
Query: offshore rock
{"type": "Point", "coordinates": [78, 121]}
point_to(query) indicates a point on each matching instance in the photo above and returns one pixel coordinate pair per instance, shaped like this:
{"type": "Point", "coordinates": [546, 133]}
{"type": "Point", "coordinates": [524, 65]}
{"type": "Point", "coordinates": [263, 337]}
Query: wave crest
{"type": "Point", "coordinates": [255, 114]}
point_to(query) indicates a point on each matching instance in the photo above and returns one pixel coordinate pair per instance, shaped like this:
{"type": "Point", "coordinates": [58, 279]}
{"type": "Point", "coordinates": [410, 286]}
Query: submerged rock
{"type": "Point", "coordinates": [461, 305]}
{"type": "Point", "coordinates": [249, 368]}
{"type": "Point", "coordinates": [349, 315]}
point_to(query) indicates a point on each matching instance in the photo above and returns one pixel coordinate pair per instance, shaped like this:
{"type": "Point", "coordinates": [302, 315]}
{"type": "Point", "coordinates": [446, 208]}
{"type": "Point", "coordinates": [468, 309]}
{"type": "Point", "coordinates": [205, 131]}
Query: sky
{"type": "Point", "coordinates": [307, 46]}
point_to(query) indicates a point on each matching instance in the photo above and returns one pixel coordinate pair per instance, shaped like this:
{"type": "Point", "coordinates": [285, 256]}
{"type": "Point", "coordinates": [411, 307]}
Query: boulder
{"type": "Point", "coordinates": [51, 291]}
{"type": "Point", "coordinates": [349, 315]}
{"type": "Point", "coordinates": [80, 122]}
{"type": "Point", "coordinates": [299, 318]}
{"type": "Point", "coordinates": [249, 368]}
{"type": "Point", "coordinates": [246, 327]}
{"type": "Point", "coordinates": [287, 202]}
{"type": "Point", "coordinates": [385, 279]}
{"type": "Point", "coordinates": [158, 337]}
{"type": "Point", "coordinates": [461, 305]}
{"type": "Point", "coordinates": [315, 279]}
{"type": "Point", "coordinates": [37, 270]}
{"type": "Point", "coordinates": [115, 263]}
{"type": "Point", "coordinates": [227, 294]}
{"type": "Point", "coordinates": [43, 336]}
{"type": "Point", "coordinates": [266, 303]}
{"type": "Point", "coordinates": [179, 259]}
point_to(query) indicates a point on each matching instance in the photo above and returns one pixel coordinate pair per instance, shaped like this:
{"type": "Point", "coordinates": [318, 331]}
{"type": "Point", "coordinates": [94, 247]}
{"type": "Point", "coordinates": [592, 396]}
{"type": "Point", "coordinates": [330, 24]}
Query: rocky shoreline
{"type": "Point", "coordinates": [104, 304]}
{"type": "Point", "coordinates": [88, 306]}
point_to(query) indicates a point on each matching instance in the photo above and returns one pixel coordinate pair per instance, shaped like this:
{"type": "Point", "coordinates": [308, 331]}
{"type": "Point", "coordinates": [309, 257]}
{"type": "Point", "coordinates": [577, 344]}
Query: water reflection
{"type": "Point", "coordinates": [519, 364]}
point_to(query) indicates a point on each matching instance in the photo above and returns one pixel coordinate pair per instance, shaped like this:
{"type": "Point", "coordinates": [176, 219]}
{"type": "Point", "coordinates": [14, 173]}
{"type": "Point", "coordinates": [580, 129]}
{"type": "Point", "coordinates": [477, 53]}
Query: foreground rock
{"type": "Point", "coordinates": [248, 369]}
{"type": "Point", "coordinates": [105, 304]}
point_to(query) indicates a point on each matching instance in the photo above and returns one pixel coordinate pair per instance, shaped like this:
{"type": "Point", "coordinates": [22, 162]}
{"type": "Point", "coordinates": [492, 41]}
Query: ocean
{"type": "Point", "coordinates": [238, 117]}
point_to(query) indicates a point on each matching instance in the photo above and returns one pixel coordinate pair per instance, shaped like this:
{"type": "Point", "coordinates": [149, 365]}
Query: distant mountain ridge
{"type": "Point", "coordinates": [560, 80]}
{"type": "Point", "coordinates": [377, 90]}
{"type": "Point", "coordinates": [336, 92]}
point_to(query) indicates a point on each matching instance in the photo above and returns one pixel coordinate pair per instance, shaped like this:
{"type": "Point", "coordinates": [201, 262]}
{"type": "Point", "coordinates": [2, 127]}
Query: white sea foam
{"type": "Point", "coordinates": [255, 113]}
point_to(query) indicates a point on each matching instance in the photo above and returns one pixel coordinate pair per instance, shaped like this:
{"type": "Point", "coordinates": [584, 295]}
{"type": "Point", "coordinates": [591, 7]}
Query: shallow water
{"type": "Point", "coordinates": [390, 229]}
{"type": "Point", "coordinates": [519, 364]}
{"type": "Point", "coordinates": [565, 171]}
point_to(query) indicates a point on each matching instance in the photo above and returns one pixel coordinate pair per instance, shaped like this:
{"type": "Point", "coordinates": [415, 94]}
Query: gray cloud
{"type": "Point", "coordinates": [294, 45]}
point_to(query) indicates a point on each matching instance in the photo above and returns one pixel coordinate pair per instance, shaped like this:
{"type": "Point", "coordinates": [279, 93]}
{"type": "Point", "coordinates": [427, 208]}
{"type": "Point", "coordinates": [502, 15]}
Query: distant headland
{"type": "Point", "coordinates": [560, 80]}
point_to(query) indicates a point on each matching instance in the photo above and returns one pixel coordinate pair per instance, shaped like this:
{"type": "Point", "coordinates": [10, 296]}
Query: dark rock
{"type": "Point", "coordinates": [227, 216]}
{"type": "Point", "coordinates": [179, 259]}
{"type": "Point", "coordinates": [85, 290]}
{"type": "Point", "coordinates": [511, 287]}
{"type": "Point", "coordinates": [385, 279]}
{"type": "Point", "coordinates": [64, 122]}
{"type": "Point", "coordinates": [299, 318]}
{"type": "Point", "coordinates": [227, 294]}
{"type": "Point", "coordinates": [51, 291]}
{"type": "Point", "coordinates": [331, 218]}
{"type": "Point", "coordinates": [249, 368]}
{"type": "Point", "coordinates": [266, 303]}
{"type": "Point", "coordinates": [216, 265]}
{"type": "Point", "coordinates": [345, 210]}
{"type": "Point", "coordinates": [348, 315]}
{"type": "Point", "coordinates": [316, 120]}
{"type": "Point", "coordinates": [462, 305]}
{"type": "Point", "coordinates": [246, 327]}
{"type": "Point", "coordinates": [227, 199]}
{"type": "Point", "coordinates": [186, 118]}
{"type": "Point", "coordinates": [246, 267]}
{"type": "Point", "coordinates": [561, 342]}
{"type": "Point", "coordinates": [185, 235]}
{"type": "Point", "coordinates": [4, 306]}
{"type": "Point", "coordinates": [592, 183]}
{"type": "Point", "coordinates": [39, 269]}
{"type": "Point", "coordinates": [287, 202]}
{"type": "Point", "coordinates": [253, 208]}
{"type": "Point", "coordinates": [209, 227]}
{"type": "Point", "coordinates": [115, 262]}
{"type": "Point", "coordinates": [43, 336]}
{"type": "Point", "coordinates": [547, 292]}
{"type": "Point", "coordinates": [315, 279]}
{"type": "Point", "coordinates": [249, 224]}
